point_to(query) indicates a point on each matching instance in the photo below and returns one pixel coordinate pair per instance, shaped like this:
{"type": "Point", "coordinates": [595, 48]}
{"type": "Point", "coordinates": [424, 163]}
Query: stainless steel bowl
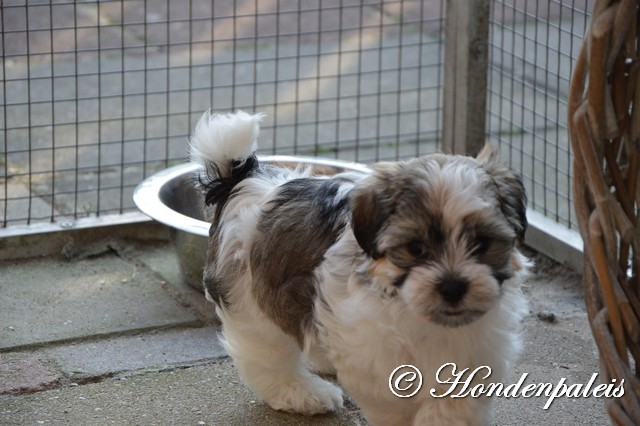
{"type": "Point", "coordinates": [171, 198]}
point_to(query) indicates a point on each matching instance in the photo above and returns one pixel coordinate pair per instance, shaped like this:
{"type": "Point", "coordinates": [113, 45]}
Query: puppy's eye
{"type": "Point", "coordinates": [417, 248]}
{"type": "Point", "coordinates": [481, 245]}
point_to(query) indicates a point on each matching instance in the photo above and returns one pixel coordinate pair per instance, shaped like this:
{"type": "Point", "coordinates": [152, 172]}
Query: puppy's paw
{"type": "Point", "coordinates": [309, 395]}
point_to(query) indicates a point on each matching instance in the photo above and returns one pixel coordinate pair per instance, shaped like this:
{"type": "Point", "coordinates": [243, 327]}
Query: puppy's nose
{"type": "Point", "coordinates": [453, 290]}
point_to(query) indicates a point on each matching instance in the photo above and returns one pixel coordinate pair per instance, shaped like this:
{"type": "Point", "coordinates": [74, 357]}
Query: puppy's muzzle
{"type": "Point", "coordinates": [453, 289]}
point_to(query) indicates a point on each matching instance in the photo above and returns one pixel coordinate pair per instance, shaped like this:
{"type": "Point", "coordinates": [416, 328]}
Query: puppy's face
{"type": "Point", "coordinates": [441, 232]}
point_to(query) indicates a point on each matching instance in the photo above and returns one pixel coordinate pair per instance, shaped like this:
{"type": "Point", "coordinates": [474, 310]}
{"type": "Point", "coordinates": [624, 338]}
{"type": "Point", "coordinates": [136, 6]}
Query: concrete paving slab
{"type": "Point", "coordinates": [554, 352]}
{"type": "Point", "coordinates": [196, 393]}
{"type": "Point", "coordinates": [163, 260]}
{"type": "Point", "coordinates": [176, 375]}
{"type": "Point", "coordinates": [38, 369]}
{"type": "Point", "coordinates": [558, 345]}
{"type": "Point", "coordinates": [151, 350]}
{"type": "Point", "coordinates": [27, 372]}
{"type": "Point", "coordinates": [47, 300]}
{"type": "Point", "coordinates": [202, 395]}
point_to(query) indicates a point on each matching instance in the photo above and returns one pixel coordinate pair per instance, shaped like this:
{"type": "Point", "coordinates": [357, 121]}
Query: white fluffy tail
{"type": "Point", "coordinates": [224, 140]}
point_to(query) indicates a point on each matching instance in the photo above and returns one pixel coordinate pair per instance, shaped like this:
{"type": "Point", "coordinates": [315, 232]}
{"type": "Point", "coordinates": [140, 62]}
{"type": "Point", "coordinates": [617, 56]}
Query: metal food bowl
{"type": "Point", "coordinates": [171, 198]}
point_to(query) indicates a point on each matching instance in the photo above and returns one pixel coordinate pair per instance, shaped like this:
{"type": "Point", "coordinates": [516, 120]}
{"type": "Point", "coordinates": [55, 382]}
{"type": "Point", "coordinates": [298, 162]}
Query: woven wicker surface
{"type": "Point", "coordinates": [604, 125]}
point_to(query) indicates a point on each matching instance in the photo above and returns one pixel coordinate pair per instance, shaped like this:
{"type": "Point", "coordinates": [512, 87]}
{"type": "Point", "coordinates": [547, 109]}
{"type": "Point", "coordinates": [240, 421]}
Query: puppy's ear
{"type": "Point", "coordinates": [370, 209]}
{"type": "Point", "coordinates": [511, 193]}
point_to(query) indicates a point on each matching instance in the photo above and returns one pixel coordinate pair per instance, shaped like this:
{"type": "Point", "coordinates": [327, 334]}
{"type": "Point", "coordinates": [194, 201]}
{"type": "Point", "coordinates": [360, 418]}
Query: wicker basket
{"type": "Point", "coordinates": [604, 127]}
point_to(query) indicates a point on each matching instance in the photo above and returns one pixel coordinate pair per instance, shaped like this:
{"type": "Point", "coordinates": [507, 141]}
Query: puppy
{"type": "Point", "coordinates": [356, 274]}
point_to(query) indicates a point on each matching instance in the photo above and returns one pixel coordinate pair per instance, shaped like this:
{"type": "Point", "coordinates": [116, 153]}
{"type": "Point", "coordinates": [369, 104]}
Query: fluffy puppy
{"type": "Point", "coordinates": [355, 274]}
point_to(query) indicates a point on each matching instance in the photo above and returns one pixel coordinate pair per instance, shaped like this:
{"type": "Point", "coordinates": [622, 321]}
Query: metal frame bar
{"type": "Point", "coordinates": [465, 75]}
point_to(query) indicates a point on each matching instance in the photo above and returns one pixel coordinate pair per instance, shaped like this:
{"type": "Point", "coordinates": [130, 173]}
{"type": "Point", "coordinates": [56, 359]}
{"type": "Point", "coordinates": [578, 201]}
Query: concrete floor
{"type": "Point", "coordinates": [110, 335]}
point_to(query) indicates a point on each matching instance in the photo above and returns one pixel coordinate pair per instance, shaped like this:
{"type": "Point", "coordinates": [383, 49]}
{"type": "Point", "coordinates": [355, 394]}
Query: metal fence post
{"type": "Point", "coordinates": [465, 75]}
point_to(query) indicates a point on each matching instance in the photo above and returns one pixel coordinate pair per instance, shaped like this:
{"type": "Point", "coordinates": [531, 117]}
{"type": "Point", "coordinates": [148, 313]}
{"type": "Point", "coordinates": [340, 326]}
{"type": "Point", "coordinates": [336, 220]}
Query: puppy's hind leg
{"type": "Point", "coordinates": [270, 362]}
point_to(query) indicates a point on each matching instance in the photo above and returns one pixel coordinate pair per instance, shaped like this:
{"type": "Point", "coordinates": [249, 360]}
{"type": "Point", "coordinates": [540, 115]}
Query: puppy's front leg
{"type": "Point", "coordinates": [270, 362]}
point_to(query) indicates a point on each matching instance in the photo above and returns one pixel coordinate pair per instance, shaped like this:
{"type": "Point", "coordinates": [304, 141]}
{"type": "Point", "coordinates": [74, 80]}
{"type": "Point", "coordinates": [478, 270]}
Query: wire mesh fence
{"type": "Point", "coordinates": [533, 45]}
{"type": "Point", "coordinates": [96, 96]}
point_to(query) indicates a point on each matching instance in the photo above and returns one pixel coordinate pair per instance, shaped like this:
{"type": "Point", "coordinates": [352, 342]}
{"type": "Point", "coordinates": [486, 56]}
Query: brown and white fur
{"type": "Point", "coordinates": [355, 274]}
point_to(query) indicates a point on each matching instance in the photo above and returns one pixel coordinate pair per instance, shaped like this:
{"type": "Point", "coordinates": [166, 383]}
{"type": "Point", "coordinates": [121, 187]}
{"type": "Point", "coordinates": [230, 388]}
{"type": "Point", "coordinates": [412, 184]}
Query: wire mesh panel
{"type": "Point", "coordinates": [533, 45]}
{"type": "Point", "coordinates": [96, 96]}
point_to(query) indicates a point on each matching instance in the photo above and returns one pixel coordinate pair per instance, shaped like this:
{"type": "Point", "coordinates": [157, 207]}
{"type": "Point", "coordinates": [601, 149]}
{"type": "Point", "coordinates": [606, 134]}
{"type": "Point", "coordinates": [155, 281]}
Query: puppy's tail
{"type": "Point", "coordinates": [225, 145]}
